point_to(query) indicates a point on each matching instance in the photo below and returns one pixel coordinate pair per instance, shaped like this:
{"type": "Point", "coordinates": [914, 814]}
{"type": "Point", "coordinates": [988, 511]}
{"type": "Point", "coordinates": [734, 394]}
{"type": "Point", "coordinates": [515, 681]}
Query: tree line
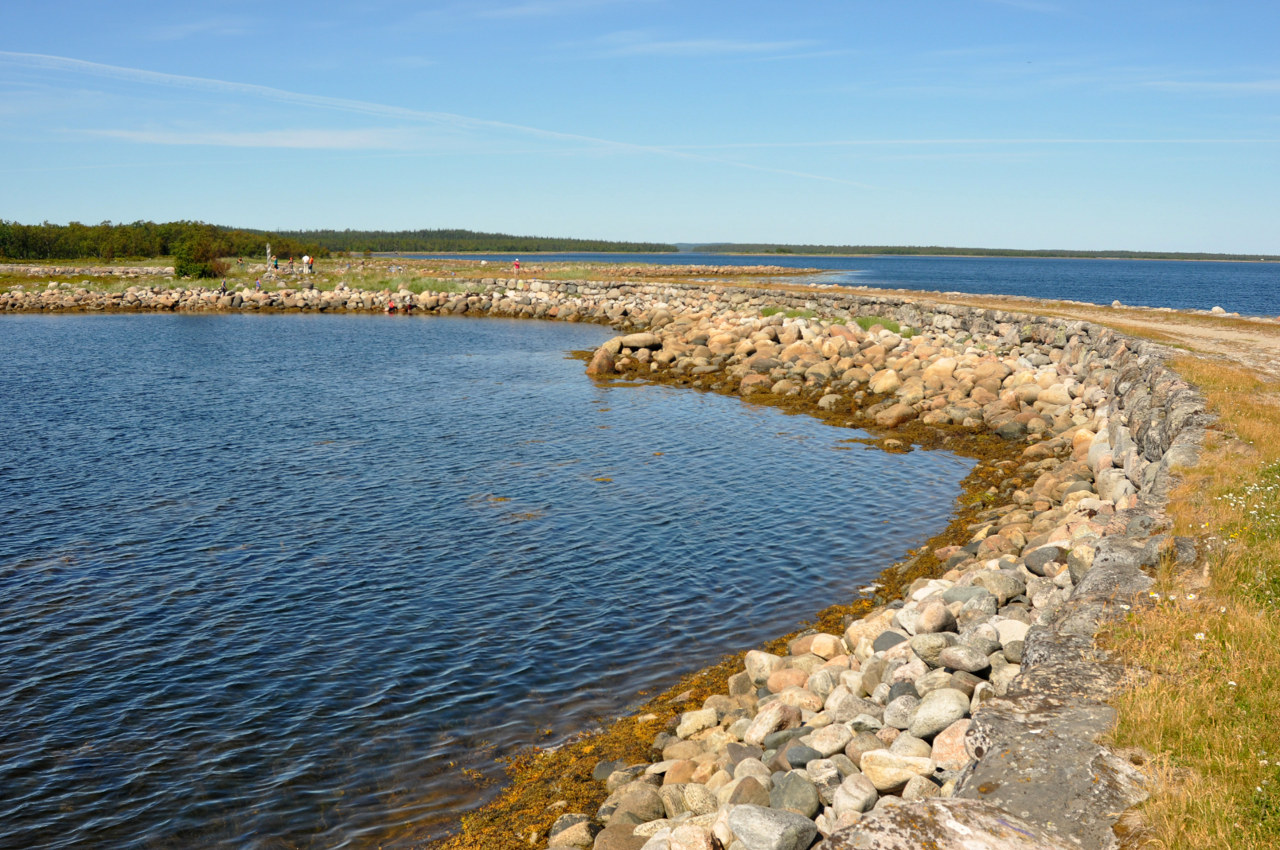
{"type": "Point", "coordinates": [142, 240]}
{"type": "Point", "coordinates": [146, 239]}
{"type": "Point", "coordinates": [463, 242]}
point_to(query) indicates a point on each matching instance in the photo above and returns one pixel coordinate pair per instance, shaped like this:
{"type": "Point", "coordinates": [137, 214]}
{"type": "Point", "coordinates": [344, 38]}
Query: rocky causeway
{"type": "Point", "coordinates": [972, 711]}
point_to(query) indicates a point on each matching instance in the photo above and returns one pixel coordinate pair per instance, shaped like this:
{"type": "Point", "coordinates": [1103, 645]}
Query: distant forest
{"type": "Point", "coordinates": [146, 239]}
{"type": "Point", "coordinates": [933, 250]}
{"type": "Point", "coordinates": [463, 241]}
{"type": "Point", "coordinates": [142, 240]}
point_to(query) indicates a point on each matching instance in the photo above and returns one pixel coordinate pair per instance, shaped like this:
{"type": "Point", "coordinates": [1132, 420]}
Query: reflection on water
{"type": "Point", "coordinates": [263, 579]}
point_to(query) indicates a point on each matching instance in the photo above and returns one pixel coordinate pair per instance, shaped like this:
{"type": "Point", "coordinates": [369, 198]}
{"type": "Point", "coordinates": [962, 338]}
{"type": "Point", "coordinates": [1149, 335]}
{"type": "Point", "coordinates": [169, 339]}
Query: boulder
{"type": "Point", "coordinates": [759, 828]}
{"type": "Point", "coordinates": [945, 824]}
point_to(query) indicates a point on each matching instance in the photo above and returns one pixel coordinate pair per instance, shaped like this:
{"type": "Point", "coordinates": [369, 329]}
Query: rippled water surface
{"type": "Point", "coordinates": [263, 578]}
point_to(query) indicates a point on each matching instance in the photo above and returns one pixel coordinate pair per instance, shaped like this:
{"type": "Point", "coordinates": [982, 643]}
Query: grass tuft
{"type": "Point", "coordinates": [868, 322]}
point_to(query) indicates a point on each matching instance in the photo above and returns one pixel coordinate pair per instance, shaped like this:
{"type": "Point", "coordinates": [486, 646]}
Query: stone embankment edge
{"type": "Point", "coordinates": [1036, 752]}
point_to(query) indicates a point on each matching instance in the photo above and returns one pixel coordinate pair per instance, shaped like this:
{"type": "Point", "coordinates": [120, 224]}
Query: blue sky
{"type": "Point", "coordinates": [995, 123]}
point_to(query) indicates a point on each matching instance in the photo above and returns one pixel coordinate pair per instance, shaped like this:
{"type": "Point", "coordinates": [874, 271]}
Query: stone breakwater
{"type": "Point", "coordinates": [90, 271]}
{"type": "Point", "coordinates": [967, 714]}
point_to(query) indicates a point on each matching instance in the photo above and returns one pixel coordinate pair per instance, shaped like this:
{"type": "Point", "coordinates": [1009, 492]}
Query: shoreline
{"type": "Point", "coordinates": [611, 304]}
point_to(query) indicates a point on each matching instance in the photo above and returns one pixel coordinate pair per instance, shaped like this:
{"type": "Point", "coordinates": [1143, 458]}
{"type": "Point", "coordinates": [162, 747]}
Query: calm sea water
{"type": "Point", "coordinates": [273, 581]}
{"type": "Point", "coordinates": [1249, 288]}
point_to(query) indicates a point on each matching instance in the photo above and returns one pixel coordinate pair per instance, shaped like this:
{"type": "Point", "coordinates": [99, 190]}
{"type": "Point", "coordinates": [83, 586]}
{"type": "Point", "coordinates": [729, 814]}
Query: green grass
{"type": "Point", "coordinates": [868, 322]}
{"type": "Point", "coordinates": [790, 314]}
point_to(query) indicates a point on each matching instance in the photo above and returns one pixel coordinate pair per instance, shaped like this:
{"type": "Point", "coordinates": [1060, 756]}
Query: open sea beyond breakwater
{"type": "Point", "coordinates": [1249, 288]}
{"type": "Point", "coordinates": [275, 581]}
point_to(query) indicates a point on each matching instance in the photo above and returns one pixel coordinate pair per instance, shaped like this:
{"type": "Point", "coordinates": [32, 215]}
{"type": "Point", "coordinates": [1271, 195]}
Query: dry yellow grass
{"type": "Point", "coordinates": [1213, 638]}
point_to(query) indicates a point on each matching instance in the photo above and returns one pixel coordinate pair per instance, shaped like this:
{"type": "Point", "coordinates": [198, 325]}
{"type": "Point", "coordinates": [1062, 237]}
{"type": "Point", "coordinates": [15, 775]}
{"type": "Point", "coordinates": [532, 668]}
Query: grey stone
{"type": "Point", "coordinates": [863, 742]}
{"type": "Point", "coordinates": [1039, 559]}
{"type": "Point", "coordinates": [898, 713]}
{"type": "Point", "coordinates": [619, 837]}
{"type": "Point", "coordinates": [843, 706]}
{"type": "Point", "coordinates": [826, 776]}
{"type": "Point", "coordinates": [737, 752]}
{"type": "Point", "coordinates": [795, 792]}
{"type": "Point", "coordinates": [920, 788]}
{"type": "Point", "coordinates": [740, 684]}
{"type": "Point", "coordinates": [603, 769]}
{"type": "Point", "coordinates": [945, 824]}
{"type": "Point", "coordinates": [772, 718]}
{"type": "Point", "coordinates": [636, 802]}
{"type": "Point", "coordinates": [907, 744]}
{"type": "Point", "coordinates": [759, 828]}
{"type": "Point", "coordinates": [830, 740]}
{"type": "Point", "coordinates": [687, 797]}
{"type": "Point", "coordinates": [964, 658]}
{"type": "Point", "coordinates": [749, 791]}
{"type": "Point", "coordinates": [933, 680]}
{"type": "Point", "coordinates": [855, 794]}
{"type": "Point", "coordinates": [902, 688]}
{"type": "Point", "coordinates": [795, 754]}
{"type": "Point", "coordinates": [938, 710]}
{"type": "Point", "coordinates": [776, 740]}
{"type": "Point", "coordinates": [963, 593]}
{"type": "Point", "coordinates": [887, 640]}
{"type": "Point", "coordinates": [890, 771]}
{"type": "Point", "coordinates": [1036, 756]}
{"type": "Point", "coordinates": [984, 645]}
{"type": "Point", "coordinates": [572, 830]}
{"type": "Point", "coordinates": [935, 617]}
{"type": "Point", "coordinates": [760, 665]}
{"type": "Point", "coordinates": [928, 647]}
{"type": "Point", "coordinates": [1003, 584]}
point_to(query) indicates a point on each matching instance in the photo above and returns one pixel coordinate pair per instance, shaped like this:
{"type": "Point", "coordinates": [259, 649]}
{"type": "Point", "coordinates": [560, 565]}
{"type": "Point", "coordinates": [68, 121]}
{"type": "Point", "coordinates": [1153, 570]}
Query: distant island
{"type": "Point", "coordinates": [203, 243]}
{"type": "Point", "coordinates": [940, 251]}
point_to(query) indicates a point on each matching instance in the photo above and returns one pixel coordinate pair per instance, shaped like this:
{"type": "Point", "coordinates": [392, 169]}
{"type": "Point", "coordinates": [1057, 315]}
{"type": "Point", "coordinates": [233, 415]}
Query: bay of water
{"type": "Point", "coordinates": [1249, 288]}
{"type": "Point", "coordinates": [274, 581]}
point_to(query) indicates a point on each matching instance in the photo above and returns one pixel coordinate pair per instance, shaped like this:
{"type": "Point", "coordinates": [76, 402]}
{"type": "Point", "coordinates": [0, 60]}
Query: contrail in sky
{"type": "Point", "coordinates": [137, 75]}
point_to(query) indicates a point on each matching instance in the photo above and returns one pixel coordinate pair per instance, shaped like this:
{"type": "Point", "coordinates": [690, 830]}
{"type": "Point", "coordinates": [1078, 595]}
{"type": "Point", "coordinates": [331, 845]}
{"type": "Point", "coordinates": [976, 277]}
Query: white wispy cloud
{"type": "Point", "coordinates": [640, 44]}
{"type": "Point", "coordinates": [1271, 86]}
{"type": "Point", "coordinates": [546, 8]}
{"type": "Point", "coordinates": [972, 142]}
{"type": "Point", "coordinates": [444, 119]}
{"type": "Point", "coordinates": [220, 27]}
{"type": "Point", "coordinates": [298, 139]}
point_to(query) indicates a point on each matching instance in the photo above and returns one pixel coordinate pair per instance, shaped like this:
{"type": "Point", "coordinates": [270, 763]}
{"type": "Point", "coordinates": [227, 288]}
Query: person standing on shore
{"type": "Point", "coordinates": [516, 266]}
